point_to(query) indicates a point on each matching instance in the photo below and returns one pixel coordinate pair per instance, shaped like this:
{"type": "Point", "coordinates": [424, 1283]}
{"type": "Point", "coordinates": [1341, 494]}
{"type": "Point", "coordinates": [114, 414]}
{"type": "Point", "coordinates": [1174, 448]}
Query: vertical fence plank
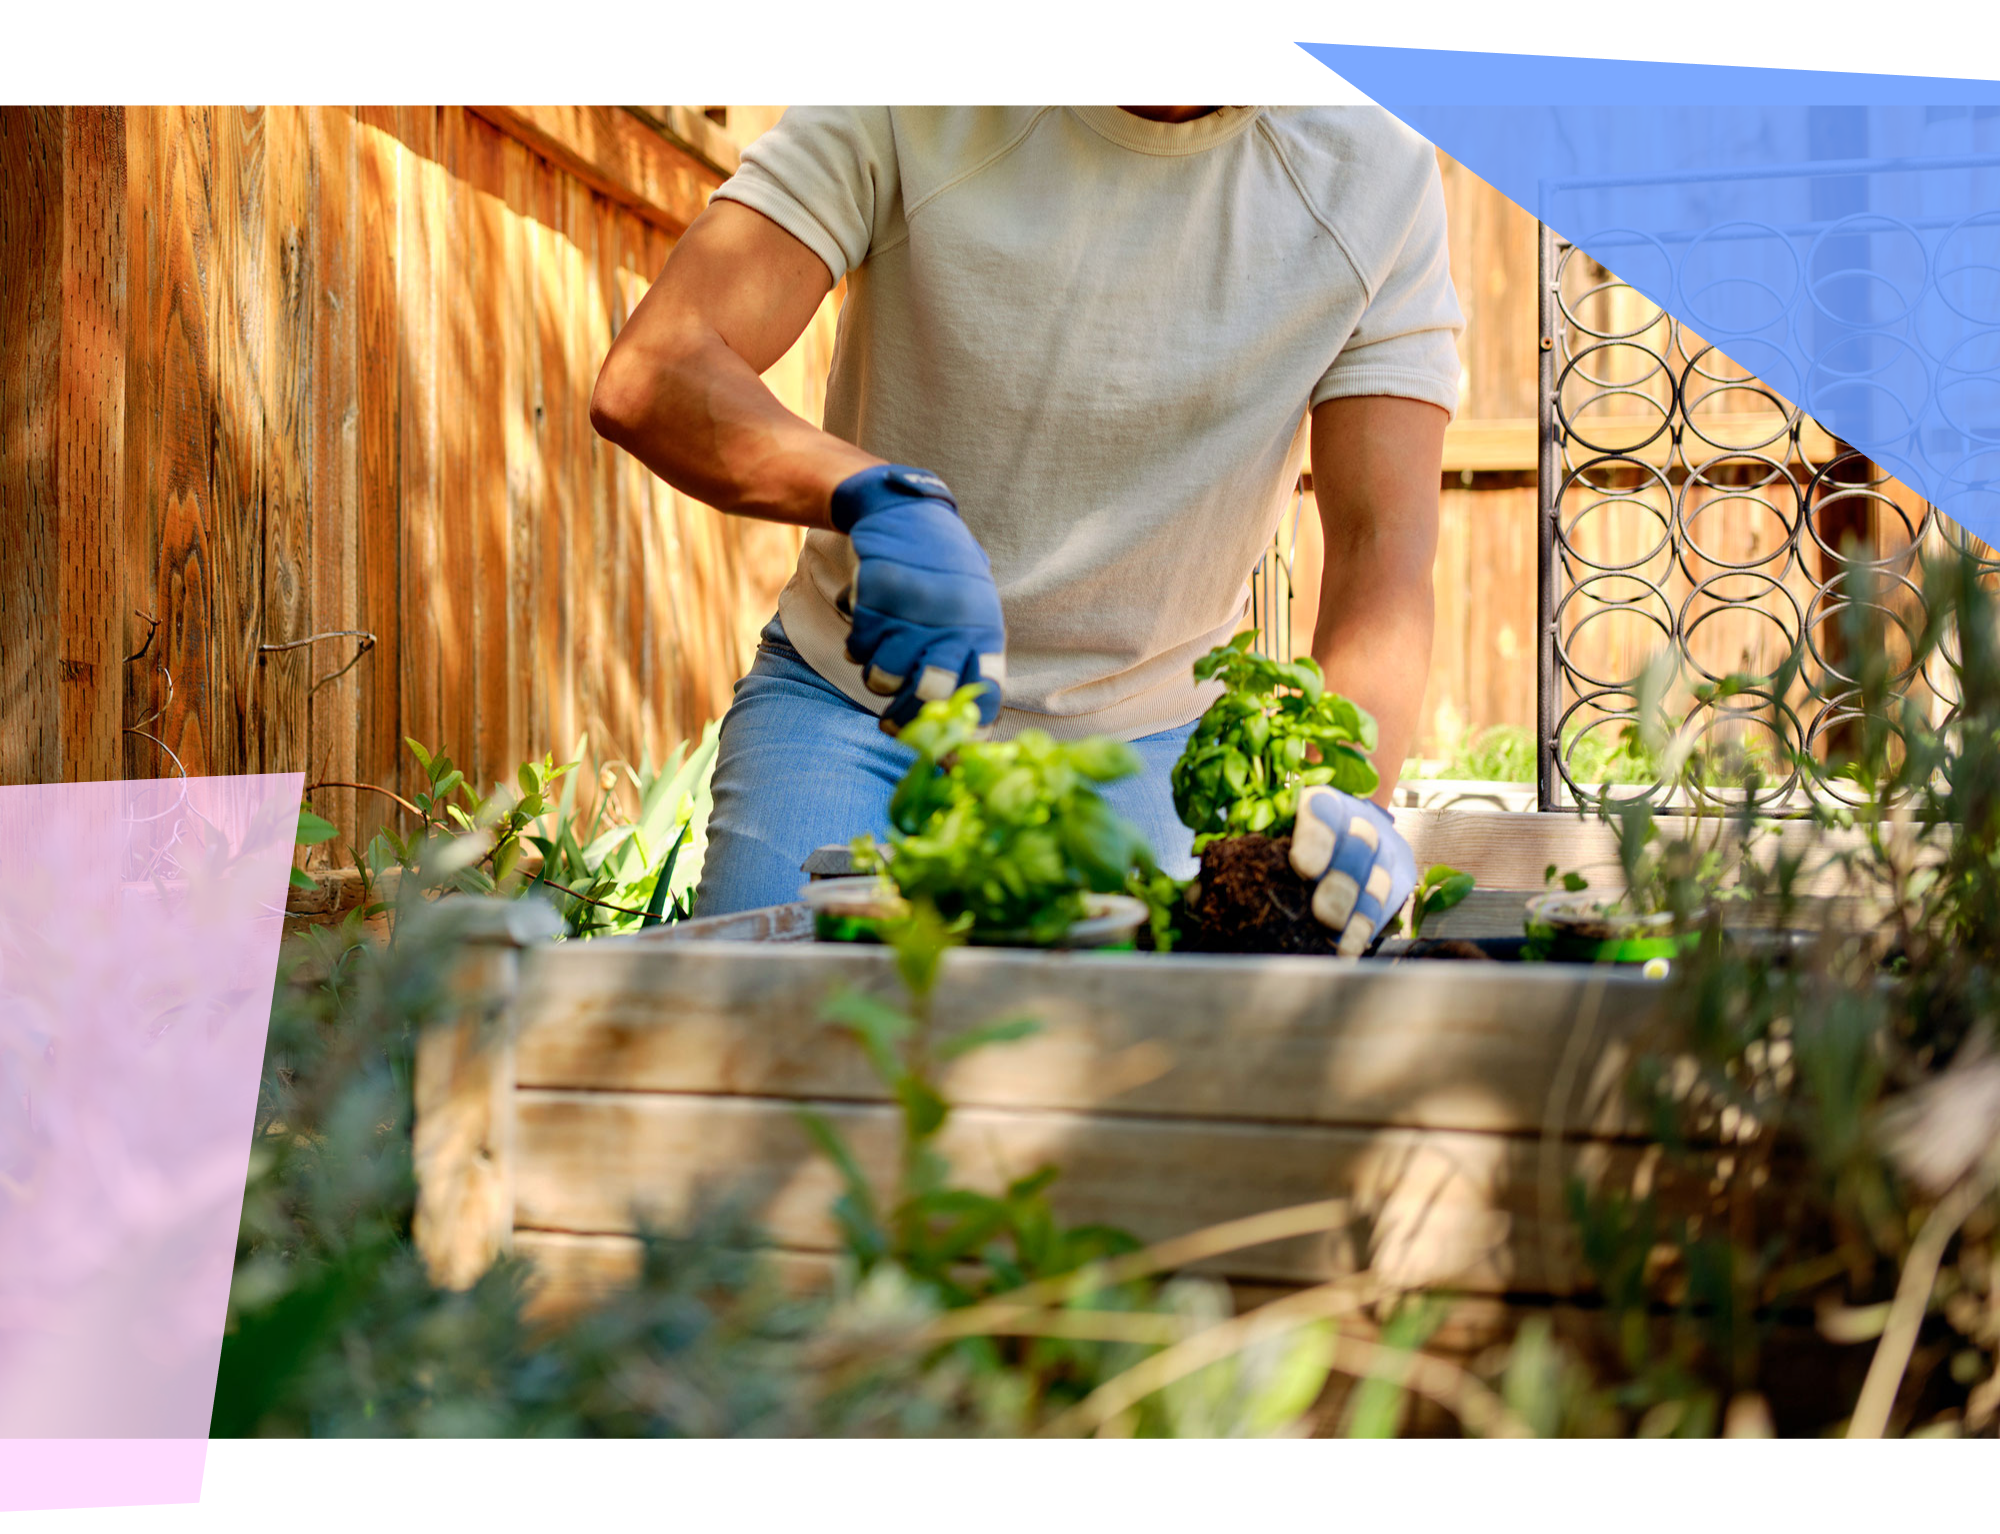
{"type": "Point", "coordinates": [239, 311]}
{"type": "Point", "coordinates": [513, 281]}
{"type": "Point", "coordinates": [489, 404]}
{"type": "Point", "coordinates": [558, 636]}
{"type": "Point", "coordinates": [92, 433]}
{"type": "Point", "coordinates": [31, 244]}
{"type": "Point", "coordinates": [139, 504]}
{"type": "Point", "coordinates": [333, 506]}
{"type": "Point", "coordinates": [571, 467]}
{"type": "Point", "coordinates": [424, 615]}
{"type": "Point", "coordinates": [182, 683]}
{"type": "Point", "coordinates": [378, 489]}
{"type": "Point", "coordinates": [286, 341]}
{"type": "Point", "coordinates": [458, 396]}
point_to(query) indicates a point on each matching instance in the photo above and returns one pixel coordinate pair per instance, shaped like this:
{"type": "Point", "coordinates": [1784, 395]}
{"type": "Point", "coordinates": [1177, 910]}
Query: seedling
{"type": "Point", "coordinates": [1441, 888]}
{"type": "Point", "coordinates": [1276, 730]}
{"type": "Point", "coordinates": [1008, 835]}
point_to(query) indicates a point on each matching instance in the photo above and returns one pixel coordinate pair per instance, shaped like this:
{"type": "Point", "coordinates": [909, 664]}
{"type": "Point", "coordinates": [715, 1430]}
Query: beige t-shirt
{"type": "Point", "coordinates": [1106, 333]}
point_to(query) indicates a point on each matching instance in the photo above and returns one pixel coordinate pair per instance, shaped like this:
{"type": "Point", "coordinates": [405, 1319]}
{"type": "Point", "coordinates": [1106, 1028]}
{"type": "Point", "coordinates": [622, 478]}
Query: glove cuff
{"type": "Point", "coordinates": [884, 485]}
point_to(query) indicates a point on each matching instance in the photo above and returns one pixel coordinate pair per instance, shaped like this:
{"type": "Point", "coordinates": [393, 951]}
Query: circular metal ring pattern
{"type": "Point", "coordinates": [1607, 496]}
{"type": "Point", "coordinates": [1828, 605]}
{"type": "Point", "coordinates": [1606, 716]}
{"type": "Point", "coordinates": [1977, 298]}
{"type": "Point", "coordinates": [1785, 506]}
{"type": "Point", "coordinates": [1867, 226]}
{"type": "Point", "coordinates": [1721, 607]}
{"type": "Point", "coordinates": [1568, 415]}
{"type": "Point", "coordinates": [1734, 232]}
{"type": "Point", "coordinates": [1700, 420]}
{"type": "Point", "coordinates": [1611, 607]}
{"type": "Point", "coordinates": [1746, 707]}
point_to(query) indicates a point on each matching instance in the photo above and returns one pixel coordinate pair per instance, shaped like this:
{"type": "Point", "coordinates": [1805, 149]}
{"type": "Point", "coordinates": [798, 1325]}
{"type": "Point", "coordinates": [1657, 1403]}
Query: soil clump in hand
{"type": "Point", "coordinates": [1248, 900]}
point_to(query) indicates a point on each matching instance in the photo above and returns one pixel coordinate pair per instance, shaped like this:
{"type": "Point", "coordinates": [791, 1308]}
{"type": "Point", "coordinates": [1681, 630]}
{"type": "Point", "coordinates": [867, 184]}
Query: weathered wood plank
{"type": "Point", "coordinates": [488, 401]}
{"type": "Point", "coordinates": [427, 607]}
{"type": "Point", "coordinates": [459, 390]}
{"type": "Point", "coordinates": [463, 1139]}
{"type": "Point", "coordinates": [240, 310]}
{"type": "Point", "coordinates": [1513, 851]}
{"type": "Point", "coordinates": [139, 500]}
{"type": "Point", "coordinates": [513, 281]}
{"type": "Point", "coordinates": [549, 363]}
{"type": "Point", "coordinates": [334, 507]}
{"type": "Point", "coordinates": [92, 442]}
{"type": "Point", "coordinates": [31, 331]}
{"type": "Point", "coordinates": [1423, 1207]}
{"type": "Point", "coordinates": [615, 153]}
{"type": "Point", "coordinates": [182, 681]}
{"type": "Point", "coordinates": [378, 416]}
{"type": "Point", "coordinates": [1438, 1045]}
{"type": "Point", "coordinates": [286, 340]}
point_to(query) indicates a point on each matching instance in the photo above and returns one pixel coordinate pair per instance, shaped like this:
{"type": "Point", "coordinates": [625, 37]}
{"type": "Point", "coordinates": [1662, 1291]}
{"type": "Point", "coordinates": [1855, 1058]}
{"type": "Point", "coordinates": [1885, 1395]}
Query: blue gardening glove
{"type": "Point", "coordinates": [925, 613]}
{"type": "Point", "coordinates": [1364, 867]}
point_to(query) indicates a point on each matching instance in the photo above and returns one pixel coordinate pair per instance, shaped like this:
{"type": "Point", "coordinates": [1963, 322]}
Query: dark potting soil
{"type": "Point", "coordinates": [1248, 900]}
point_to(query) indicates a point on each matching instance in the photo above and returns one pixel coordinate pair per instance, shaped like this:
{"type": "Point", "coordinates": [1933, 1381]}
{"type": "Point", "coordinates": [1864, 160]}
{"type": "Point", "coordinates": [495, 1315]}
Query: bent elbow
{"type": "Point", "coordinates": [616, 402]}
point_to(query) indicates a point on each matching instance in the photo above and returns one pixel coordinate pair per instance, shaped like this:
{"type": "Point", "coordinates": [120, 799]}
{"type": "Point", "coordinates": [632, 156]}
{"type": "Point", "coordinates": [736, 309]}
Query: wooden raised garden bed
{"type": "Point", "coordinates": [1445, 1103]}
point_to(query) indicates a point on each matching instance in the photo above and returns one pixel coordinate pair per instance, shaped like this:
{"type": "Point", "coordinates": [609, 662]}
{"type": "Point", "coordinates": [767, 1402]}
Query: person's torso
{"type": "Point", "coordinates": [1103, 333]}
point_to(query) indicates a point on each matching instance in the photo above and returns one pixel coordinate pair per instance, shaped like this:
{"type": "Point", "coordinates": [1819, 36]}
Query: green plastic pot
{"type": "Point", "coordinates": [1575, 928]}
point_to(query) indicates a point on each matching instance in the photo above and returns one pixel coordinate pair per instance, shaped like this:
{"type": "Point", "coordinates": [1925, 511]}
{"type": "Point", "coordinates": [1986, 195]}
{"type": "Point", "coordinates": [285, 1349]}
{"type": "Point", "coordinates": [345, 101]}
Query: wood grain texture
{"type": "Point", "coordinates": [139, 502]}
{"type": "Point", "coordinates": [428, 608]}
{"type": "Point", "coordinates": [1434, 1045]}
{"type": "Point", "coordinates": [31, 326]}
{"type": "Point", "coordinates": [462, 1146]}
{"type": "Point", "coordinates": [91, 428]}
{"type": "Point", "coordinates": [239, 311]}
{"type": "Point", "coordinates": [287, 342]}
{"type": "Point", "coordinates": [1425, 1207]}
{"type": "Point", "coordinates": [378, 418]}
{"type": "Point", "coordinates": [460, 397]}
{"type": "Point", "coordinates": [334, 509]}
{"type": "Point", "coordinates": [612, 152]}
{"type": "Point", "coordinates": [183, 680]}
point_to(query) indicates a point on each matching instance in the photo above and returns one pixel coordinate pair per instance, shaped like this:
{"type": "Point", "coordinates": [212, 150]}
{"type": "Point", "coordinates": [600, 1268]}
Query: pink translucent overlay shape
{"type": "Point", "coordinates": [139, 928]}
{"type": "Point", "coordinates": [105, 1485]}
{"type": "Point", "coordinates": [537, 1505]}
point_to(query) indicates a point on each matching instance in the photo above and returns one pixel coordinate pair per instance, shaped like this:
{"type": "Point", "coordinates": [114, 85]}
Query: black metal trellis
{"type": "Point", "coordinates": [1656, 454]}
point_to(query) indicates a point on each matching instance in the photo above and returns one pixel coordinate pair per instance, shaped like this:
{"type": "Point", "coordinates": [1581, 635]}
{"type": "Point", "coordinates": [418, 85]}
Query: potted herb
{"type": "Point", "coordinates": [1009, 839]}
{"type": "Point", "coordinates": [1275, 730]}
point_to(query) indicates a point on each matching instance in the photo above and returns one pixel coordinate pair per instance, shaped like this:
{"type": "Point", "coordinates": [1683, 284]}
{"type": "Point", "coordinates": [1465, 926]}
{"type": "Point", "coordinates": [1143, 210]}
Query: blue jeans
{"type": "Point", "coordinates": [799, 765]}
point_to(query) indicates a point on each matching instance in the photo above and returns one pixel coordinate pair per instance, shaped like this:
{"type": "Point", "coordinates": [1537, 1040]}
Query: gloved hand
{"type": "Point", "coordinates": [925, 613]}
{"type": "Point", "coordinates": [1364, 867]}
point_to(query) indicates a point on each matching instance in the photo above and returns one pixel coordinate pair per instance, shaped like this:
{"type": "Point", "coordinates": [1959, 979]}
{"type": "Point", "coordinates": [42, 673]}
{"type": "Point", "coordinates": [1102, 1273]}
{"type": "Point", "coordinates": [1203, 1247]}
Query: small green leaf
{"type": "Point", "coordinates": [423, 757]}
{"type": "Point", "coordinates": [313, 830]}
{"type": "Point", "coordinates": [1005, 1031]}
{"type": "Point", "coordinates": [301, 880]}
{"type": "Point", "coordinates": [1574, 882]}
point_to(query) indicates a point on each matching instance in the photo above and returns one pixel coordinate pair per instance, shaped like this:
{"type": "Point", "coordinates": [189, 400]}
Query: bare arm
{"type": "Point", "coordinates": [680, 391]}
{"type": "Point", "coordinates": [1376, 461]}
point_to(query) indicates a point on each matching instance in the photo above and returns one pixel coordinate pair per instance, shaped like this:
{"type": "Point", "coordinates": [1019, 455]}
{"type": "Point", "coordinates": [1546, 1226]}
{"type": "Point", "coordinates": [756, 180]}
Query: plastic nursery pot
{"type": "Point", "coordinates": [1110, 922]}
{"type": "Point", "coordinates": [852, 908]}
{"type": "Point", "coordinates": [1577, 928]}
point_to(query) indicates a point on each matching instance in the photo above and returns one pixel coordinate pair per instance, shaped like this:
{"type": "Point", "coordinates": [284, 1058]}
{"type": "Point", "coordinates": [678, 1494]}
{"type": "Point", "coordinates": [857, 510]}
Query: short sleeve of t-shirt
{"type": "Point", "coordinates": [1406, 342]}
{"type": "Point", "coordinates": [826, 176]}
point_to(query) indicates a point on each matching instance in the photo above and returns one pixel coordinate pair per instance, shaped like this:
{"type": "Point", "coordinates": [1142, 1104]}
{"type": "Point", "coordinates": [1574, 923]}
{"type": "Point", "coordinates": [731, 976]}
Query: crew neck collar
{"type": "Point", "coordinates": [1149, 137]}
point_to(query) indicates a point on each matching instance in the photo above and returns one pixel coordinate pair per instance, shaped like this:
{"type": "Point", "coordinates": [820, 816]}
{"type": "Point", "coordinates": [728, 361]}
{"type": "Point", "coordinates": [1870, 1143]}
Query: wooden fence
{"type": "Point", "coordinates": [284, 373]}
{"type": "Point", "coordinates": [279, 378]}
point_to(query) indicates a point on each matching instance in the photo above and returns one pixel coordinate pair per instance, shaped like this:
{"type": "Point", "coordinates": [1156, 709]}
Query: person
{"type": "Point", "coordinates": [1080, 357]}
